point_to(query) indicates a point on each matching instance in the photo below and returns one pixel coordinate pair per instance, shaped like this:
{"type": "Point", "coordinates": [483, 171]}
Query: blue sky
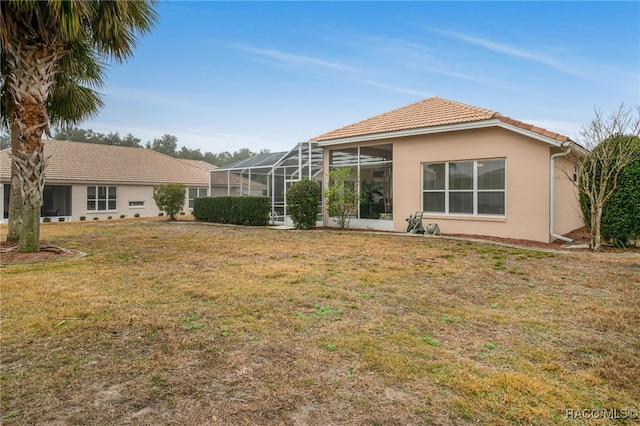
{"type": "Point", "coordinates": [266, 75]}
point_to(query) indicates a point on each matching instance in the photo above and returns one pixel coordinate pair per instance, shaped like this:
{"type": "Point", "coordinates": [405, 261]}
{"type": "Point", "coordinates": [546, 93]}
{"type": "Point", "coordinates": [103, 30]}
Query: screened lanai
{"type": "Point", "coordinates": [271, 175]}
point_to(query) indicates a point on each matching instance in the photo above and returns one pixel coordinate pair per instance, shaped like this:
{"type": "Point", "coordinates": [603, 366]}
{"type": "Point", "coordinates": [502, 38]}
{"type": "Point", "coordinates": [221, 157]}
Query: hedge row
{"type": "Point", "coordinates": [245, 210]}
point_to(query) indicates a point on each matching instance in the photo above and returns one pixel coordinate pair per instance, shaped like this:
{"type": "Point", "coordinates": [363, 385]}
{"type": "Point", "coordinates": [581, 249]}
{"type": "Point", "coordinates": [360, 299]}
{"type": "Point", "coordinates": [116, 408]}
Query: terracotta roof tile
{"type": "Point", "coordinates": [88, 162]}
{"type": "Point", "coordinates": [532, 128]}
{"type": "Point", "coordinates": [425, 113]}
{"type": "Point", "coordinates": [430, 112]}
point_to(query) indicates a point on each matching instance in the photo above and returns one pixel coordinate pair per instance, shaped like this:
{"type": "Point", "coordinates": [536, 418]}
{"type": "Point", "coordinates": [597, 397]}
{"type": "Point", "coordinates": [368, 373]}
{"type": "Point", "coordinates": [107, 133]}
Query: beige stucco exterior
{"type": "Point", "coordinates": [527, 169]}
{"type": "Point", "coordinates": [126, 193]}
{"type": "Point", "coordinates": [567, 215]}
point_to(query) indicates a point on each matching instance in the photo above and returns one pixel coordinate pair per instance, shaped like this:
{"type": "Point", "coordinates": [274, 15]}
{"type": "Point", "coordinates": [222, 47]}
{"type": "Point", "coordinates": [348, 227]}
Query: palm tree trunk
{"type": "Point", "coordinates": [31, 75]}
{"type": "Point", "coordinates": [15, 196]}
{"type": "Point", "coordinates": [30, 164]}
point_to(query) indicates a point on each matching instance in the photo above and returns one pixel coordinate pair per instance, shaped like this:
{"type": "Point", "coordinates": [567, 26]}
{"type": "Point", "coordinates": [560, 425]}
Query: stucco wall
{"type": "Point", "coordinates": [566, 202]}
{"type": "Point", "coordinates": [125, 193]}
{"type": "Point", "coordinates": [527, 182]}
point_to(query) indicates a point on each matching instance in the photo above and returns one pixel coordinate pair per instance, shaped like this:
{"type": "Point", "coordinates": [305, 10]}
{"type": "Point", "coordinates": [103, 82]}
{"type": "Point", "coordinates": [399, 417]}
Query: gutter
{"type": "Point", "coordinates": [552, 192]}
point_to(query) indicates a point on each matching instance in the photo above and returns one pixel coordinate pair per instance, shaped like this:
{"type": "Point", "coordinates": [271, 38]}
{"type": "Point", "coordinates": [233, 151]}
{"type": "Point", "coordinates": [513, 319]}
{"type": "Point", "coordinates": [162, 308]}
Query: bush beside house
{"type": "Point", "coordinates": [170, 198]}
{"type": "Point", "coordinates": [621, 214]}
{"type": "Point", "coordinates": [341, 196]}
{"type": "Point", "coordinates": [245, 210]}
{"type": "Point", "coordinates": [620, 222]}
{"type": "Point", "coordinates": [302, 203]}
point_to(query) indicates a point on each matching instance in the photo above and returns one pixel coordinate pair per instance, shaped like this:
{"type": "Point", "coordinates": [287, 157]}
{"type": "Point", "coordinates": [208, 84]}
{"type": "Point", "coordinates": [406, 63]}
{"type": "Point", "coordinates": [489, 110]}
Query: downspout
{"type": "Point", "coordinates": [552, 187]}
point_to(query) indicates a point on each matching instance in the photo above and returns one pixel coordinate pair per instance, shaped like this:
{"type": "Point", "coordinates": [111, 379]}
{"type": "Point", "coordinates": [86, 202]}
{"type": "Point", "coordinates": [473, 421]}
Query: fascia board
{"type": "Point", "coordinates": [442, 129]}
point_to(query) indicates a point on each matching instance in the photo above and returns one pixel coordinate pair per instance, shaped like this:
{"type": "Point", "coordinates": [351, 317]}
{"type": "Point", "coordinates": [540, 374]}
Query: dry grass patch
{"type": "Point", "coordinates": [166, 323]}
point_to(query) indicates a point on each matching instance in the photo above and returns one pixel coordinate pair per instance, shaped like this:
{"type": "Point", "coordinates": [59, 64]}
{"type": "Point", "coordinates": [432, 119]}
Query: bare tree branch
{"type": "Point", "coordinates": [613, 146]}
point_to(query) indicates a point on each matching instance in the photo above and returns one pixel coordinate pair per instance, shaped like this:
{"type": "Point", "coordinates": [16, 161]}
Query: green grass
{"type": "Point", "coordinates": [226, 325]}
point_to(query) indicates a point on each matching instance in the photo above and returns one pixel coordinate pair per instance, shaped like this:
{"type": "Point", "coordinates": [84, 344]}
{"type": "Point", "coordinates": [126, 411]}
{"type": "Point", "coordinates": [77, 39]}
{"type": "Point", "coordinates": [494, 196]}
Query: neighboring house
{"type": "Point", "coordinates": [94, 180]}
{"type": "Point", "coordinates": [470, 170]}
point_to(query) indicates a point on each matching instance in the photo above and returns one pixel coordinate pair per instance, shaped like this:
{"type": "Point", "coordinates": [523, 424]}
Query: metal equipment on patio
{"type": "Point", "coordinates": [414, 223]}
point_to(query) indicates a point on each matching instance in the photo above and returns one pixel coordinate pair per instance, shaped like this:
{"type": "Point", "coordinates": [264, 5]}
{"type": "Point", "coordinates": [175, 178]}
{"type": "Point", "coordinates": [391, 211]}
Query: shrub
{"type": "Point", "coordinates": [95, 218]}
{"type": "Point", "coordinates": [302, 203]}
{"type": "Point", "coordinates": [110, 217]}
{"type": "Point", "coordinates": [341, 196]}
{"type": "Point", "coordinates": [620, 221]}
{"type": "Point", "coordinates": [122, 216]}
{"type": "Point", "coordinates": [61, 219]}
{"type": "Point", "coordinates": [244, 210]}
{"type": "Point", "coordinates": [83, 218]}
{"type": "Point", "coordinates": [46, 219]}
{"type": "Point", "coordinates": [170, 198]}
{"type": "Point", "coordinates": [136, 215]}
{"type": "Point", "coordinates": [621, 213]}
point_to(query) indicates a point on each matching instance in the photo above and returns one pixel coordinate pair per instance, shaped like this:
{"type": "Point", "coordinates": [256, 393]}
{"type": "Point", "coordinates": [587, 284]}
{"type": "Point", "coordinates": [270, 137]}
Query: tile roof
{"type": "Point", "coordinates": [430, 112]}
{"type": "Point", "coordinates": [532, 128]}
{"type": "Point", "coordinates": [89, 162]}
{"type": "Point", "coordinates": [199, 163]}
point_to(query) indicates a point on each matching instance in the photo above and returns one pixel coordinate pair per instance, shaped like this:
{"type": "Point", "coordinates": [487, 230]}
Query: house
{"type": "Point", "coordinates": [93, 180]}
{"type": "Point", "coordinates": [470, 170]}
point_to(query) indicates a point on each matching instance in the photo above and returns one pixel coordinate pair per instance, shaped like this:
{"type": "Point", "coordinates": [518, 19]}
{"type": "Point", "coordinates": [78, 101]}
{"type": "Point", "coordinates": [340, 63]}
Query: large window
{"type": "Point", "coordinates": [195, 193]}
{"type": "Point", "coordinates": [371, 177]}
{"type": "Point", "coordinates": [101, 198]}
{"type": "Point", "coordinates": [464, 187]}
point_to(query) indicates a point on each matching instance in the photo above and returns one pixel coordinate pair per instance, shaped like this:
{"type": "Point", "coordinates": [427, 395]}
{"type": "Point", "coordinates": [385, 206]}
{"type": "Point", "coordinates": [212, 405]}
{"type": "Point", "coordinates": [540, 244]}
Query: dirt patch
{"type": "Point", "coordinates": [9, 254]}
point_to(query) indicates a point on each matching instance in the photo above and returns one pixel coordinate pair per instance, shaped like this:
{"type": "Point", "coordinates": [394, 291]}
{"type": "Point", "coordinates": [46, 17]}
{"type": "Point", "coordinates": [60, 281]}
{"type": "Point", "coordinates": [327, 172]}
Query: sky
{"type": "Point", "coordinates": [222, 76]}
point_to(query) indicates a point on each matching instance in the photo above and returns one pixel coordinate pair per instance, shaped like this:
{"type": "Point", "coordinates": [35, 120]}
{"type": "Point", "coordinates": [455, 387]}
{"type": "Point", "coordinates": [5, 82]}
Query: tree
{"type": "Point", "coordinates": [167, 144]}
{"type": "Point", "coordinates": [302, 203]}
{"type": "Point", "coordinates": [5, 141]}
{"type": "Point", "coordinates": [371, 196]}
{"type": "Point", "coordinates": [612, 144]}
{"type": "Point", "coordinates": [71, 100]}
{"type": "Point", "coordinates": [341, 196]}
{"type": "Point", "coordinates": [170, 198]}
{"type": "Point", "coordinates": [227, 157]}
{"type": "Point", "coordinates": [39, 40]}
{"type": "Point", "coordinates": [190, 154]}
{"type": "Point", "coordinates": [75, 134]}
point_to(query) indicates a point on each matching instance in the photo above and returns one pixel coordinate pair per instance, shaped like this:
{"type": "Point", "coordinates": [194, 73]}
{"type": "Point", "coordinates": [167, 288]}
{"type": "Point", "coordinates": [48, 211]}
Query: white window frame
{"type": "Point", "coordinates": [475, 189]}
{"type": "Point", "coordinates": [199, 190]}
{"type": "Point", "coordinates": [106, 200]}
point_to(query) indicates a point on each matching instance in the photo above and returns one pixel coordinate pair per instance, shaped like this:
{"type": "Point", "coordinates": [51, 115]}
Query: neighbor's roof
{"type": "Point", "coordinates": [260, 160]}
{"type": "Point", "coordinates": [90, 162]}
{"type": "Point", "coordinates": [430, 112]}
{"type": "Point", "coordinates": [199, 163]}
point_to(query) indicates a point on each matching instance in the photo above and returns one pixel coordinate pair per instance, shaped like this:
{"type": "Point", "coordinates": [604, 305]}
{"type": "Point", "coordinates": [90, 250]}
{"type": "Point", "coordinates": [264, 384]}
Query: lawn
{"type": "Point", "coordinates": [191, 324]}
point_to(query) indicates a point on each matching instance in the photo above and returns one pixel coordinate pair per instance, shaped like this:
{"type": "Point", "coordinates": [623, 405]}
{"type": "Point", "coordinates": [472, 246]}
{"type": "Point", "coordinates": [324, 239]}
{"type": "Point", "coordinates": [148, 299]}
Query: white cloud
{"type": "Point", "coordinates": [298, 61]}
{"type": "Point", "coordinates": [154, 97]}
{"type": "Point", "coordinates": [397, 89]}
{"type": "Point", "coordinates": [566, 63]}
